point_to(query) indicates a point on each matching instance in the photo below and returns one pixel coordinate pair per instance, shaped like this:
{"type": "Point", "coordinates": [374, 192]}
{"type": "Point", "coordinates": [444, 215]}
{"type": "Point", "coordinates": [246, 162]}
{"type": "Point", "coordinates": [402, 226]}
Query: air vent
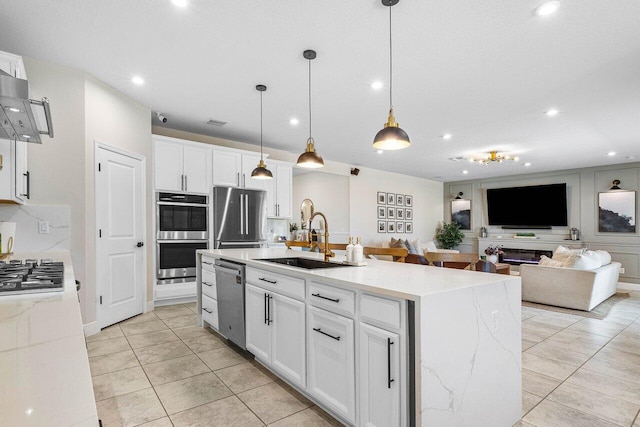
{"type": "Point", "coordinates": [458, 159]}
{"type": "Point", "coordinates": [213, 122]}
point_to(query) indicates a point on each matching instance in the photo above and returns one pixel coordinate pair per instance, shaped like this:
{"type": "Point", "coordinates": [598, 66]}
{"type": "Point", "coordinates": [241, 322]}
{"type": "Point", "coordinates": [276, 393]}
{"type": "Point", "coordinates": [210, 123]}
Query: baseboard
{"type": "Point", "coordinates": [91, 328]}
{"type": "Point", "coordinates": [173, 301]}
{"type": "Point", "coordinates": [629, 286]}
{"type": "Point", "coordinates": [150, 306]}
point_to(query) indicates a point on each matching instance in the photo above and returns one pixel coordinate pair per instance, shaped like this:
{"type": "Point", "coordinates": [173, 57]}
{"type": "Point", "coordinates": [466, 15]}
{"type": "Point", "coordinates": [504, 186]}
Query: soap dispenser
{"type": "Point", "coordinates": [350, 249]}
{"type": "Point", "coordinates": [358, 254]}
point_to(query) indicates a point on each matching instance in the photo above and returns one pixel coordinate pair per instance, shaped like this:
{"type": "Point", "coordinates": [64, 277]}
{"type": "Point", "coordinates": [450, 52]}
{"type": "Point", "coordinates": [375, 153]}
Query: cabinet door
{"type": "Point", "coordinates": [288, 354]}
{"type": "Point", "coordinates": [284, 188]}
{"type": "Point", "coordinates": [258, 332]}
{"type": "Point", "coordinates": [379, 377]}
{"type": "Point", "coordinates": [270, 187]}
{"type": "Point", "coordinates": [249, 163]}
{"type": "Point", "coordinates": [331, 361]}
{"type": "Point", "coordinates": [226, 168]}
{"type": "Point", "coordinates": [168, 166]}
{"type": "Point", "coordinates": [22, 180]}
{"type": "Point", "coordinates": [197, 169]}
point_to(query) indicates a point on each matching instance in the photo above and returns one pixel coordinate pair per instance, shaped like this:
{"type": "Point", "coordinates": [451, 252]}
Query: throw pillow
{"type": "Point", "coordinates": [562, 253]}
{"type": "Point", "coordinates": [548, 262]}
{"type": "Point", "coordinates": [582, 262]}
{"type": "Point", "coordinates": [430, 247]}
{"type": "Point", "coordinates": [605, 257]}
{"type": "Point", "coordinates": [397, 243]}
{"type": "Point", "coordinates": [418, 245]}
{"type": "Point", "coordinates": [412, 249]}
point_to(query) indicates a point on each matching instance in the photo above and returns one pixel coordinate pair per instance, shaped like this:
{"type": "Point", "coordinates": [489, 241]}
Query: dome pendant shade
{"type": "Point", "coordinates": [261, 172]}
{"type": "Point", "coordinates": [392, 137]}
{"type": "Point", "coordinates": [310, 159]}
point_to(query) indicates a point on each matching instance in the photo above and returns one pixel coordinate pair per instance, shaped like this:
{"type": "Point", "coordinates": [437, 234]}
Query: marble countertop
{"type": "Point", "coordinates": [407, 281]}
{"type": "Point", "coordinates": [44, 368]}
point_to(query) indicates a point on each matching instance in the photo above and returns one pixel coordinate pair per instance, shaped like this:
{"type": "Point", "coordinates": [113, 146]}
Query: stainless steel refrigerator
{"type": "Point", "coordinates": [239, 217]}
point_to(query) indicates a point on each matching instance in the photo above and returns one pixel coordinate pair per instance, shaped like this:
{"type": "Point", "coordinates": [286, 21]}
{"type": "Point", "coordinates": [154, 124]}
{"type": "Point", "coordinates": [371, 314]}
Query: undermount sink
{"type": "Point", "coordinates": [307, 263]}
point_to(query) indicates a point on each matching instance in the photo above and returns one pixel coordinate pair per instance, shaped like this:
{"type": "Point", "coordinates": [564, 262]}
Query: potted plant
{"type": "Point", "coordinates": [449, 236]}
{"type": "Point", "coordinates": [293, 227]}
{"type": "Point", "coordinates": [493, 251]}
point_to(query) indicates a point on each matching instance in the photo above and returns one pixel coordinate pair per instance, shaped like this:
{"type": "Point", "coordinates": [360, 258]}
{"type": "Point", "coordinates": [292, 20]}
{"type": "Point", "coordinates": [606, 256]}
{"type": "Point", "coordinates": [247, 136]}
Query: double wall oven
{"type": "Point", "coordinates": [181, 229]}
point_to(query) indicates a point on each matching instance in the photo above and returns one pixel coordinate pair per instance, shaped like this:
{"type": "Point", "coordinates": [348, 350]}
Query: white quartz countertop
{"type": "Point", "coordinates": [44, 368]}
{"type": "Point", "coordinates": [408, 281]}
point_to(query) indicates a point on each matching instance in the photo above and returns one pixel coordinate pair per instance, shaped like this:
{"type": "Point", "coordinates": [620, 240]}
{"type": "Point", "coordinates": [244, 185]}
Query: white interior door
{"type": "Point", "coordinates": [120, 222]}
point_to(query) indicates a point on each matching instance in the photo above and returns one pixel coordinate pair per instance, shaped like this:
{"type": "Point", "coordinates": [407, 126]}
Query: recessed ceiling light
{"type": "Point", "coordinates": [611, 153]}
{"type": "Point", "coordinates": [380, 151]}
{"type": "Point", "coordinates": [547, 8]}
{"type": "Point", "coordinates": [294, 121]}
{"type": "Point", "coordinates": [13, 109]}
{"type": "Point", "coordinates": [447, 136]}
{"type": "Point", "coordinates": [377, 85]}
{"type": "Point", "coordinates": [137, 80]}
{"type": "Point", "coordinates": [465, 171]}
{"type": "Point", "coordinates": [552, 113]}
{"type": "Point", "coordinates": [527, 164]}
{"type": "Point", "coordinates": [180, 3]}
{"type": "Point", "coordinates": [26, 136]}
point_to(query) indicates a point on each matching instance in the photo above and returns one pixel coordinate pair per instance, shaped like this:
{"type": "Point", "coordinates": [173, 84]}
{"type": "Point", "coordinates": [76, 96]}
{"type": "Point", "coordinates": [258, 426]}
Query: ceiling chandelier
{"type": "Point", "coordinates": [493, 156]}
{"type": "Point", "coordinates": [310, 158]}
{"type": "Point", "coordinates": [261, 172]}
{"type": "Point", "coordinates": [391, 137]}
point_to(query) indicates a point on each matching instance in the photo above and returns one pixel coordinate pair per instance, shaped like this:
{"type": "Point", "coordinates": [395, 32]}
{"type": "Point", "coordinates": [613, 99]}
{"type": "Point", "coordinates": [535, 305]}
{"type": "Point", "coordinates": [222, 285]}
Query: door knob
{"type": "Point", "coordinates": [140, 244]}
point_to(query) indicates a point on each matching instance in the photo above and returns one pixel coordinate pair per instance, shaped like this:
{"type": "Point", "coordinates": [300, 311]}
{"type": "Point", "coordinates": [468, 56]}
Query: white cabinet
{"type": "Point", "coordinates": [279, 189]}
{"type": "Point", "coordinates": [12, 64]}
{"type": "Point", "coordinates": [249, 163]}
{"type": "Point", "coordinates": [275, 332]}
{"type": "Point", "coordinates": [181, 166]}
{"type": "Point", "coordinates": [331, 361]}
{"type": "Point", "coordinates": [379, 395]}
{"type": "Point", "coordinates": [227, 167]}
{"type": "Point", "coordinates": [15, 180]}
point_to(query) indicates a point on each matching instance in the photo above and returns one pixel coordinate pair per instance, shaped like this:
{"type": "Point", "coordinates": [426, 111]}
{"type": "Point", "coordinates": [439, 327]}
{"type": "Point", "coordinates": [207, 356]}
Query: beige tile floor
{"type": "Point", "coordinates": [156, 370]}
{"type": "Point", "coordinates": [152, 370]}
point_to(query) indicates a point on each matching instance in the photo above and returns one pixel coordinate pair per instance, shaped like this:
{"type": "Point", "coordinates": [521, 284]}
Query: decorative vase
{"type": "Point", "coordinates": [492, 258]}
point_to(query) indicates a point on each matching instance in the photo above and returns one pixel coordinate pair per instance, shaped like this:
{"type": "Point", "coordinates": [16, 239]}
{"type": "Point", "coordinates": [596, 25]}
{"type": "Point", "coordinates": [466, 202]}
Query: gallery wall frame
{"type": "Point", "coordinates": [394, 206]}
{"type": "Point", "coordinates": [617, 211]}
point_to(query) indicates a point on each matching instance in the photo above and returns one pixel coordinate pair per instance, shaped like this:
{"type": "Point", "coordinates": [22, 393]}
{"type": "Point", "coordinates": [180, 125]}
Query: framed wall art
{"type": "Point", "coordinates": [400, 213]}
{"type": "Point", "coordinates": [461, 213]}
{"type": "Point", "coordinates": [391, 199]}
{"type": "Point", "coordinates": [408, 227]}
{"type": "Point", "coordinates": [408, 200]}
{"type": "Point", "coordinates": [391, 226]}
{"type": "Point", "coordinates": [617, 212]}
{"type": "Point", "coordinates": [399, 227]}
{"type": "Point", "coordinates": [382, 198]}
{"type": "Point", "coordinates": [382, 226]}
{"type": "Point", "coordinates": [399, 199]}
{"type": "Point", "coordinates": [382, 212]}
{"type": "Point", "coordinates": [391, 213]}
{"type": "Point", "coordinates": [408, 214]}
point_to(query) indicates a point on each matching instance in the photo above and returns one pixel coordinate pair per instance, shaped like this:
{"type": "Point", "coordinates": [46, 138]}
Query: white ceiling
{"type": "Point", "coordinates": [484, 71]}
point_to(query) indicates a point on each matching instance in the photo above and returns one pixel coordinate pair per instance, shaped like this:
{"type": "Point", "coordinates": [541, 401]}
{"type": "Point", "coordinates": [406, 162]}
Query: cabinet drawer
{"type": "Point", "coordinates": [380, 311]}
{"type": "Point", "coordinates": [338, 300]}
{"type": "Point", "coordinates": [209, 284]}
{"type": "Point", "coordinates": [210, 311]}
{"type": "Point", "coordinates": [286, 285]}
{"type": "Point", "coordinates": [208, 264]}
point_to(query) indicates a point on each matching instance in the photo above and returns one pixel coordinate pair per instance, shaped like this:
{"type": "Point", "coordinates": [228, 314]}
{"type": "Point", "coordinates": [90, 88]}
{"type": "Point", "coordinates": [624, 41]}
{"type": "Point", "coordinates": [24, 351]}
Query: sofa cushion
{"type": "Point", "coordinates": [412, 249]}
{"type": "Point", "coordinates": [562, 253]}
{"type": "Point", "coordinates": [430, 247]}
{"type": "Point", "coordinates": [546, 261]}
{"type": "Point", "coordinates": [605, 257]}
{"type": "Point", "coordinates": [585, 261]}
{"type": "Point", "coordinates": [397, 243]}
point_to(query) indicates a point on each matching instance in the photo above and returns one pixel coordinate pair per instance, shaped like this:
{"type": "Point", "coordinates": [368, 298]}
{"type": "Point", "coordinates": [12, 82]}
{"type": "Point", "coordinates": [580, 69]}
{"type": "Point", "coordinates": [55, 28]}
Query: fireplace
{"type": "Point", "coordinates": [523, 256]}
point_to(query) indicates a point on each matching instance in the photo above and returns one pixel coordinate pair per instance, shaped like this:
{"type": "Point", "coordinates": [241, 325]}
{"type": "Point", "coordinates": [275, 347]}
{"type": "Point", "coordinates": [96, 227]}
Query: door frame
{"type": "Point", "coordinates": [97, 144]}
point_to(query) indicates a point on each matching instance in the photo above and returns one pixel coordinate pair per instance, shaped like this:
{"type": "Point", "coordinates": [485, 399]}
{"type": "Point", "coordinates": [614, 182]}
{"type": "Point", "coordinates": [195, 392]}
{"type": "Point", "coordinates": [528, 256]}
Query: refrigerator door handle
{"type": "Point", "coordinates": [241, 214]}
{"type": "Point", "coordinates": [246, 213]}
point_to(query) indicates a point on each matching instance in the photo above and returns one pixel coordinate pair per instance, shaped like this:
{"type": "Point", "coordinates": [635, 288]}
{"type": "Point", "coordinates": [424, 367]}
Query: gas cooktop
{"type": "Point", "coordinates": [31, 276]}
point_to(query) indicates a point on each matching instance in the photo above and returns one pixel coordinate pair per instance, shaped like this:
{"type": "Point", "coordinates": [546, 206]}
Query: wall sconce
{"type": "Point", "coordinates": [616, 183]}
{"type": "Point", "coordinates": [459, 196]}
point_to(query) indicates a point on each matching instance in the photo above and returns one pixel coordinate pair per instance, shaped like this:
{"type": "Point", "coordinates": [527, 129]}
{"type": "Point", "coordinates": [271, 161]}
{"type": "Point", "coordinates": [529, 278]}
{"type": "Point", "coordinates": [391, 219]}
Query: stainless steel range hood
{"type": "Point", "coordinates": [16, 114]}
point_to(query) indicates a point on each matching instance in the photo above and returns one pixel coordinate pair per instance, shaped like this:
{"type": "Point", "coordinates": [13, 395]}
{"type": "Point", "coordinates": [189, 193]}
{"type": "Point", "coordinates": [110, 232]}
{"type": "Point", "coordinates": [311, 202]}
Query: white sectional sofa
{"type": "Point", "coordinates": [570, 280]}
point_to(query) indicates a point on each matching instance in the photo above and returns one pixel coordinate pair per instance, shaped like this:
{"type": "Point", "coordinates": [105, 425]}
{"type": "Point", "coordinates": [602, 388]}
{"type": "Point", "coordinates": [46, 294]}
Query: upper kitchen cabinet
{"type": "Point", "coordinates": [279, 189]}
{"type": "Point", "coordinates": [181, 165]}
{"type": "Point", "coordinates": [233, 168]}
{"type": "Point", "coordinates": [12, 65]}
{"type": "Point", "coordinates": [14, 176]}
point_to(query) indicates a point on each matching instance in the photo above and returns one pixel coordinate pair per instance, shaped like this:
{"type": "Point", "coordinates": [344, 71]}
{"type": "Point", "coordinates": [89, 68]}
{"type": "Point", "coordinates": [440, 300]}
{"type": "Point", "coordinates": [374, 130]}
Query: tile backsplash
{"type": "Point", "coordinates": [27, 218]}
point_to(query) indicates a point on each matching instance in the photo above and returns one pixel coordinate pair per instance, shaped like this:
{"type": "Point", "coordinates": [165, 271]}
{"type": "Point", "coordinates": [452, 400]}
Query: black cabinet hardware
{"type": "Point", "coordinates": [207, 284]}
{"type": "Point", "coordinates": [208, 263]}
{"type": "Point", "coordinates": [77, 285]}
{"type": "Point", "coordinates": [273, 282]}
{"type": "Point", "coordinates": [265, 308]}
{"type": "Point", "coordinates": [28, 193]}
{"type": "Point", "coordinates": [389, 380]}
{"type": "Point", "coordinates": [140, 244]}
{"type": "Point", "coordinates": [324, 333]}
{"type": "Point", "coordinates": [207, 310]}
{"type": "Point", "coordinates": [327, 298]}
{"type": "Point", "coordinates": [269, 320]}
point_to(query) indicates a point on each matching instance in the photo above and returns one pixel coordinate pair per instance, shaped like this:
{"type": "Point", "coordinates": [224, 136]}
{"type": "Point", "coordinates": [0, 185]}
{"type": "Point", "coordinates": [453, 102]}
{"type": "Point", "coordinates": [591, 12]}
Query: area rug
{"type": "Point", "coordinates": [599, 312]}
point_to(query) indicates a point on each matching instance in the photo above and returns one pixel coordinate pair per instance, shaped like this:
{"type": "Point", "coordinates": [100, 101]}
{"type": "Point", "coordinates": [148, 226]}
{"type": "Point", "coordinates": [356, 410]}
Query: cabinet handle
{"type": "Point", "coordinates": [207, 283]}
{"type": "Point", "coordinates": [389, 379]}
{"type": "Point", "coordinates": [238, 178]}
{"type": "Point", "coordinates": [28, 193]}
{"type": "Point", "coordinates": [273, 282]}
{"type": "Point", "coordinates": [244, 180]}
{"type": "Point", "coordinates": [324, 333]}
{"type": "Point", "coordinates": [278, 209]}
{"type": "Point", "coordinates": [269, 298]}
{"type": "Point", "coordinates": [265, 308]}
{"type": "Point", "coordinates": [327, 298]}
{"type": "Point", "coordinates": [208, 263]}
{"type": "Point", "coordinates": [207, 310]}
{"type": "Point", "coordinates": [186, 183]}
{"type": "Point", "coordinates": [181, 182]}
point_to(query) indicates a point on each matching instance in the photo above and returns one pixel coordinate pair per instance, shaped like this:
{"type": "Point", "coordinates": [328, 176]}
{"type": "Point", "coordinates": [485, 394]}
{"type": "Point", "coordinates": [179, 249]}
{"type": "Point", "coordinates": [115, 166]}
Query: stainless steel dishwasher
{"type": "Point", "coordinates": [230, 287]}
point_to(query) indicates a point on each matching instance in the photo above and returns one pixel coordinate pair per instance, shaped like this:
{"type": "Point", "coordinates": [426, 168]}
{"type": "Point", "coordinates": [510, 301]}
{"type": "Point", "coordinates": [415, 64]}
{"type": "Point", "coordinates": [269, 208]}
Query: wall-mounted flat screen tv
{"type": "Point", "coordinates": [535, 206]}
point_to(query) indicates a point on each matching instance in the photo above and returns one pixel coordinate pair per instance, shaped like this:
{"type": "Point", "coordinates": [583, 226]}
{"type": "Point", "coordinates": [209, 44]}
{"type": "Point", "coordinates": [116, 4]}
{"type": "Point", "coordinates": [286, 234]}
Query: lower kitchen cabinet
{"type": "Point", "coordinates": [275, 332]}
{"type": "Point", "coordinates": [379, 379]}
{"type": "Point", "coordinates": [331, 361]}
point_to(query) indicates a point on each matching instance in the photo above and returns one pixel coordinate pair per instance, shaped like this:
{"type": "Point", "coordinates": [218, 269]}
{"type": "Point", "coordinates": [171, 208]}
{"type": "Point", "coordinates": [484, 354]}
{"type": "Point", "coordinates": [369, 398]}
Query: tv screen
{"type": "Point", "coordinates": [536, 206]}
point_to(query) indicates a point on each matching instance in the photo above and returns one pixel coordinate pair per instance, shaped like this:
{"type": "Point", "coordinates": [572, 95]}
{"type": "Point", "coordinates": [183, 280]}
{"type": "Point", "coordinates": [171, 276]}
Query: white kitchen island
{"type": "Point", "coordinates": [386, 344]}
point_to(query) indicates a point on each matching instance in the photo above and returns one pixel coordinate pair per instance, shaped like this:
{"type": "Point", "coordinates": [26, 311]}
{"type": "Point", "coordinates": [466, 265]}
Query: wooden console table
{"type": "Point", "coordinates": [502, 268]}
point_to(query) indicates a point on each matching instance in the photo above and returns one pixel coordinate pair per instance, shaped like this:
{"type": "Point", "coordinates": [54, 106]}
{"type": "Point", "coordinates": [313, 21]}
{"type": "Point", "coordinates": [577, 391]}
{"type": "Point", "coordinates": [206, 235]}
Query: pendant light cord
{"type": "Point", "coordinates": [390, 63]}
{"type": "Point", "coordinates": [261, 93]}
{"type": "Point", "coordinates": [309, 99]}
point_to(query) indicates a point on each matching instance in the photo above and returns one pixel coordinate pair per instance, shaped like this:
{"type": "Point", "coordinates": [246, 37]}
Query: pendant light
{"type": "Point", "coordinates": [261, 172]}
{"type": "Point", "coordinates": [391, 137]}
{"type": "Point", "coordinates": [310, 159]}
